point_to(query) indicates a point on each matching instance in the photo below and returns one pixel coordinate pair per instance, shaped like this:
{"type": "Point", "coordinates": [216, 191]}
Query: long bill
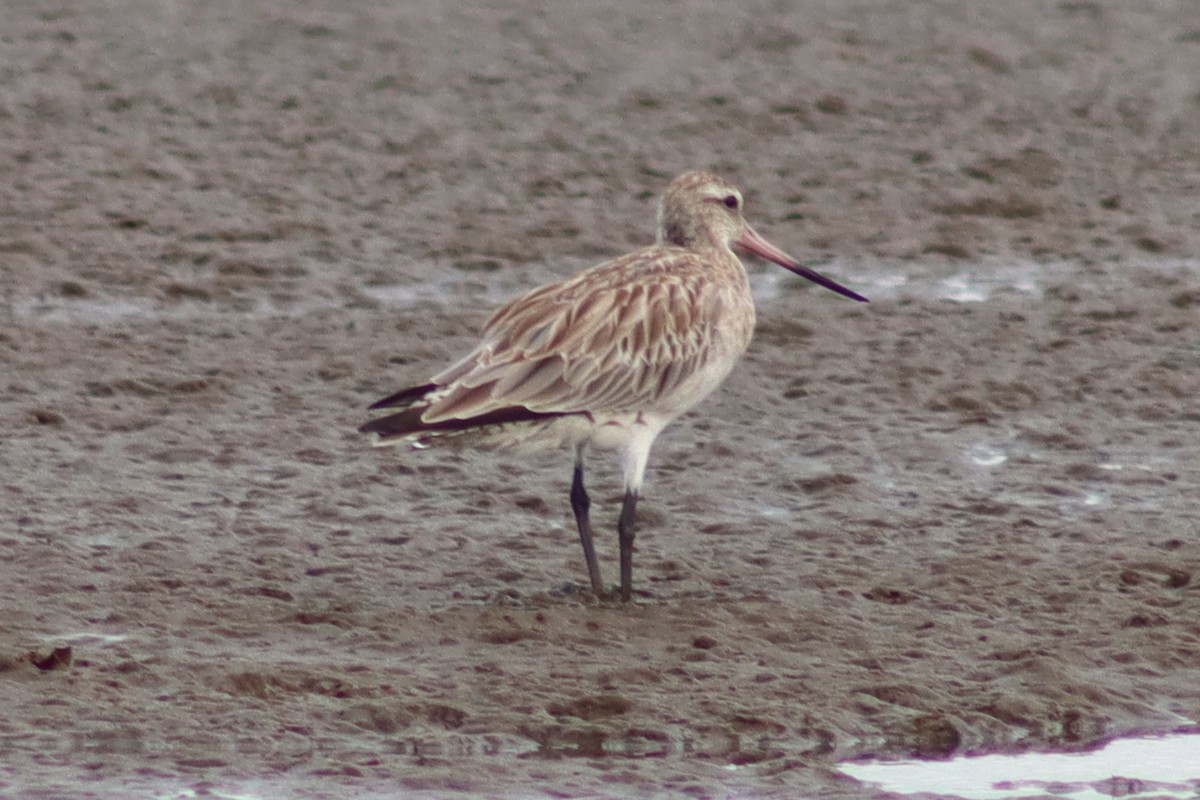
{"type": "Point", "coordinates": [751, 241]}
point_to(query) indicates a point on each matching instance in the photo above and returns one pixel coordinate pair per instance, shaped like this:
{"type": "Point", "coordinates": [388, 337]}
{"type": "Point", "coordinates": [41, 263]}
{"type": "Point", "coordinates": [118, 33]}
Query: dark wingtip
{"type": "Point", "coordinates": [409, 422]}
{"type": "Point", "coordinates": [404, 397]}
{"type": "Point", "coordinates": [369, 427]}
{"type": "Point", "coordinates": [393, 425]}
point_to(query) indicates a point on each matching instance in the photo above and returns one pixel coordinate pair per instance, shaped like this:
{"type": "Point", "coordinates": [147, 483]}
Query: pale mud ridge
{"type": "Point", "coordinates": [919, 527]}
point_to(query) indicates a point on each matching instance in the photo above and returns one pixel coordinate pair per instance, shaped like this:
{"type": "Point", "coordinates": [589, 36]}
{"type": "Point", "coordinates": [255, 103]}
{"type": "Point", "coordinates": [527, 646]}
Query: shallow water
{"type": "Point", "coordinates": [1152, 766]}
{"type": "Point", "coordinates": [1165, 766]}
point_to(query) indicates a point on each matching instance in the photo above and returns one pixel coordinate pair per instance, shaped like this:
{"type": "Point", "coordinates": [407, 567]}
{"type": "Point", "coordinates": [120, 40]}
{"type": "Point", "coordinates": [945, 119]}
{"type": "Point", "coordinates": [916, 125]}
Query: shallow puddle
{"type": "Point", "coordinates": [1142, 767]}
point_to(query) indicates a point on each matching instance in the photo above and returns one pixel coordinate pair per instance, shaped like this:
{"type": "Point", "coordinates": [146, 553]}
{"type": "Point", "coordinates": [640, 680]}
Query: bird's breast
{"type": "Point", "coordinates": [731, 316]}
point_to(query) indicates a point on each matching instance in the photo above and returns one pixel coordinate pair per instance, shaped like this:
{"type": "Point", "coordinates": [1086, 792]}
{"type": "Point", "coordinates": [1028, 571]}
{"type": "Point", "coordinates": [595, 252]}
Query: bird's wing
{"type": "Point", "coordinates": [613, 339]}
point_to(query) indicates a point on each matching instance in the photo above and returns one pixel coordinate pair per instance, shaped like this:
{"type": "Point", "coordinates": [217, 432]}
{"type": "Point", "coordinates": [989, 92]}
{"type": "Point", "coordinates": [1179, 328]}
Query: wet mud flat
{"type": "Point", "coordinates": [959, 519]}
{"type": "Point", "coordinates": [937, 568]}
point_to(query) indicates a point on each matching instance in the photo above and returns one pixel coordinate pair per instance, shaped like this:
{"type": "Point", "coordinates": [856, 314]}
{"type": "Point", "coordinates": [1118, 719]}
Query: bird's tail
{"type": "Point", "coordinates": [404, 425]}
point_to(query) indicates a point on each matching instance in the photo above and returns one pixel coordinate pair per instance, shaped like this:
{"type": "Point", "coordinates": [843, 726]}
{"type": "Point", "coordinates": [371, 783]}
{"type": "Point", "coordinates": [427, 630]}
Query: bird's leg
{"type": "Point", "coordinates": [580, 503]}
{"type": "Point", "coordinates": [625, 536]}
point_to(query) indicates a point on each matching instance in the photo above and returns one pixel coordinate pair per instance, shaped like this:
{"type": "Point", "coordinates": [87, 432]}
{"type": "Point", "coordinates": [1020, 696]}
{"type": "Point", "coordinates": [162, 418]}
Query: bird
{"type": "Point", "coordinates": [604, 360]}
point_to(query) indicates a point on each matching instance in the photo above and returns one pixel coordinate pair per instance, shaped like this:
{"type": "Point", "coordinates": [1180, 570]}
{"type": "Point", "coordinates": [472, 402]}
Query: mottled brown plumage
{"type": "Point", "coordinates": [608, 358]}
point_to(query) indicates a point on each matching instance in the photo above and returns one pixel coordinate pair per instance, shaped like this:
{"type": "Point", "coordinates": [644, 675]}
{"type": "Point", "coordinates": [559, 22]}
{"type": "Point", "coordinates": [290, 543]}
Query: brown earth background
{"type": "Point", "coordinates": [963, 518]}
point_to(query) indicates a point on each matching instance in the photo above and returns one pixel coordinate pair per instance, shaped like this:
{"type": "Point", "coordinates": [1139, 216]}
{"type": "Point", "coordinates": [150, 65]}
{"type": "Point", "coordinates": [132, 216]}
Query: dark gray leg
{"type": "Point", "coordinates": [580, 504]}
{"type": "Point", "coordinates": [625, 536]}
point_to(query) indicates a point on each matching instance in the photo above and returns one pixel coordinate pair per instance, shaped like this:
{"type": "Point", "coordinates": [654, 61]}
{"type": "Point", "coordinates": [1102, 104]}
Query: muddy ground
{"type": "Point", "coordinates": [962, 518]}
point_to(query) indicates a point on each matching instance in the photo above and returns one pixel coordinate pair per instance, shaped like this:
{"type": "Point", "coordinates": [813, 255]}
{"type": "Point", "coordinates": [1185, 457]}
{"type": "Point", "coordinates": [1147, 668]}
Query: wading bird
{"type": "Point", "coordinates": [606, 359]}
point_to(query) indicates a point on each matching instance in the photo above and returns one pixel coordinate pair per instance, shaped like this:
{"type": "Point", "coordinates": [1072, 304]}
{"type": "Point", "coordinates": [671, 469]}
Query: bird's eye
{"type": "Point", "coordinates": [731, 201]}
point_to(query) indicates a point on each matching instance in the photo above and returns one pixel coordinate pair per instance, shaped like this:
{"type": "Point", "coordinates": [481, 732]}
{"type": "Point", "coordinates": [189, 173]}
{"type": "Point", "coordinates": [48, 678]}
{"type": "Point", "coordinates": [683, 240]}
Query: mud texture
{"type": "Point", "coordinates": [962, 518]}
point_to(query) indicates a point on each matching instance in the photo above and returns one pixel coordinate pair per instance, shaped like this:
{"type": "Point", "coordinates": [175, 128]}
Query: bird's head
{"type": "Point", "coordinates": [700, 209]}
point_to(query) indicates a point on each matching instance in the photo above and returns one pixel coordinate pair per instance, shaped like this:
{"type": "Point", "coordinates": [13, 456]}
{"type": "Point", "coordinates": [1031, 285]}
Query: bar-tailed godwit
{"type": "Point", "coordinates": [606, 359]}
